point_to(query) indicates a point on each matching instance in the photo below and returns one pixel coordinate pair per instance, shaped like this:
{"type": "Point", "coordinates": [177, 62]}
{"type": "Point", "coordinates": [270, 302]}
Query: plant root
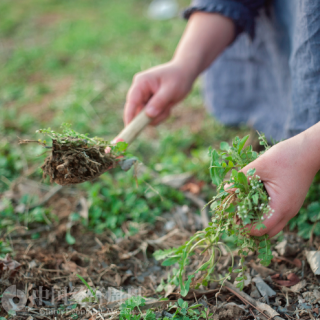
{"type": "Point", "coordinates": [73, 162]}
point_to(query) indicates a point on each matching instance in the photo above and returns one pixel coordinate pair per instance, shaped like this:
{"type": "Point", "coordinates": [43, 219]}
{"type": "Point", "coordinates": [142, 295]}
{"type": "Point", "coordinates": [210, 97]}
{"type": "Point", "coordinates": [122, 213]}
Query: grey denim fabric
{"type": "Point", "coordinates": [271, 82]}
{"type": "Point", "coordinates": [242, 12]}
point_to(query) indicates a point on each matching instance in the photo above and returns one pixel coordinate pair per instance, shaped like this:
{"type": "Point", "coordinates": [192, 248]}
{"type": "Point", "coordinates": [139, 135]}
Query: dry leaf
{"type": "Point", "coordinates": [313, 258]}
{"type": "Point", "coordinates": [293, 279]}
{"type": "Point", "coordinates": [193, 187]}
{"type": "Point", "coordinates": [7, 264]}
{"type": "Point", "coordinates": [263, 271]}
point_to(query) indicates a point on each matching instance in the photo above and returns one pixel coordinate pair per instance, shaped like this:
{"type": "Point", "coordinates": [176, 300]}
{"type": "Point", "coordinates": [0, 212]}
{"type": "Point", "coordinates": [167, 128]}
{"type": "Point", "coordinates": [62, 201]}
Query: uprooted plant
{"type": "Point", "coordinates": [234, 214]}
{"type": "Point", "coordinates": [75, 157]}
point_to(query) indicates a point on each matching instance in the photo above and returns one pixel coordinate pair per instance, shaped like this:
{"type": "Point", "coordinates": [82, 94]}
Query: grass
{"type": "Point", "coordinates": [73, 61]}
{"type": "Point", "coordinates": [98, 48]}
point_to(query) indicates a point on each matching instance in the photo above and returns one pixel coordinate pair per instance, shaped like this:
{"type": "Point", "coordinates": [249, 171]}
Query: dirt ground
{"type": "Point", "coordinates": [46, 271]}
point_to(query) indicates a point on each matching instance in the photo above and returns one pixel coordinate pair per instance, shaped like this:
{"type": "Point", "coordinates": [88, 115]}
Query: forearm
{"type": "Point", "coordinates": [205, 37]}
{"type": "Point", "coordinates": [310, 147]}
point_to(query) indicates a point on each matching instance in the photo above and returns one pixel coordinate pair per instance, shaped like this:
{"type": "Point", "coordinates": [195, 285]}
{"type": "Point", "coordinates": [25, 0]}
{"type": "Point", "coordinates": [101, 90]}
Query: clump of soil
{"type": "Point", "coordinates": [74, 161]}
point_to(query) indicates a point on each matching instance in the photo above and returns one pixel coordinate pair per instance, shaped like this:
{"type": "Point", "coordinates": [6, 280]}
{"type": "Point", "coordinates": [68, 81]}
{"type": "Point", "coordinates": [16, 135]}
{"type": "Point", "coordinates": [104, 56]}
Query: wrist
{"type": "Point", "coordinates": [310, 147]}
{"type": "Point", "coordinates": [187, 67]}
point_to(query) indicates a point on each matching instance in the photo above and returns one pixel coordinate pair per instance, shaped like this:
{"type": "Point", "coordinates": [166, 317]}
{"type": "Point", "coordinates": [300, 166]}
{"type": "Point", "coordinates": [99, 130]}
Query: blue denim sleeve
{"type": "Point", "coordinates": [242, 12]}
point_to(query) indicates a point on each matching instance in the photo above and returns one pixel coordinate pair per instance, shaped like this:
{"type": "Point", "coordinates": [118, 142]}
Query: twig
{"type": "Point", "coordinates": [253, 314]}
{"type": "Point", "coordinates": [52, 270]}
{"type": "Point", "coordinates": [261, 307]}
{"type": "Point", "coordinates": [22, 141]}
{"type": "Point", "coordinates": [6, 180]}
{"type": "Point", "coordinates": [31, 232]}
{"type": "Point", "coordinates": [165, 237]}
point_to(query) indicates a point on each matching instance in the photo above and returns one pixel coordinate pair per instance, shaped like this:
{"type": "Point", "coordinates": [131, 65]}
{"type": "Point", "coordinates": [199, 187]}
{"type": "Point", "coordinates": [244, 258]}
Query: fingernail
{"type": "Point", "coordinates": [116, 140]}
{"type": "Point", "coordinates": [151, 111]}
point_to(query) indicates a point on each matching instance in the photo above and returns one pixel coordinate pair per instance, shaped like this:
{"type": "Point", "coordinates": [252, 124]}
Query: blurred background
{"type": "Point", "coordinates": [73, 61]}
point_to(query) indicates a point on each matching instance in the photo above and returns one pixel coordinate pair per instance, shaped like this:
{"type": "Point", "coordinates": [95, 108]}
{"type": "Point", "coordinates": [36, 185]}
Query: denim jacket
{"type": "Point", "coordinates": [269, 77]}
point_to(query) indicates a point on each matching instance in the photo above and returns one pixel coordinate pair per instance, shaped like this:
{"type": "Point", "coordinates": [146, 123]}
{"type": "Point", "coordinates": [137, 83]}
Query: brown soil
{"type": "Point", "coordinates": [75, 162]}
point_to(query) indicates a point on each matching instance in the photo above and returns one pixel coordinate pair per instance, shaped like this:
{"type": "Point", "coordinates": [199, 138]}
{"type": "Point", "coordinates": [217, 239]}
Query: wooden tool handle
{"type": "Point", "coordinates": [132, 130]}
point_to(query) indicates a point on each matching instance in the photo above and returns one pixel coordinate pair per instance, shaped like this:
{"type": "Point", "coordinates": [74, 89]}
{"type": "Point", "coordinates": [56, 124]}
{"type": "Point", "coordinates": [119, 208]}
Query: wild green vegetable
{"type": "Point", "coordinates": [69, 135]}
{"type": "Point", "coordinates": [307, 221]}
{"type": "Point", "coordinates": [234, 214]}
{"type": "Point", "coordinates": [75, 157]}
{"type": "Point", "coordinates": [127, 310]}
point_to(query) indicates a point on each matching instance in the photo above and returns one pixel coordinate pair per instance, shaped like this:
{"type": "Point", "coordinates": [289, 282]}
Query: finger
{"type": "Point", "coordinates": [114, 141]}
{"type": "Point", "coordinates": [228, 189]}
{"type": "Point", "coordinates": [138, 110]}
{"type": "Point", "coordinates": [277, 228]}
{"type": "Point", "coordinates": [130, 111]}
{"type": "Point", "coordinates": [137, 97]}
{"type": "Point", "coordinates": [158, 102]}
{"type": "Point", "coordinates": [163, 116]}
{"type": "Point", "coordinates": [271, 223]}
{"type": "Point", "coordinates": [160, 118]}
{"type": "Point", "coordinates": [253, 165]}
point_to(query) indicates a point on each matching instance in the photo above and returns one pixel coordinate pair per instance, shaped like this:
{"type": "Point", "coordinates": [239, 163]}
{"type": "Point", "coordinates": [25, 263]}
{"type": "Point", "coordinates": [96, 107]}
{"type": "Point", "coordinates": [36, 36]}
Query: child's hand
{"type": "Point", "coordinates": [157, 90]}
{"type": "Point", "coordinates": [287, 170]}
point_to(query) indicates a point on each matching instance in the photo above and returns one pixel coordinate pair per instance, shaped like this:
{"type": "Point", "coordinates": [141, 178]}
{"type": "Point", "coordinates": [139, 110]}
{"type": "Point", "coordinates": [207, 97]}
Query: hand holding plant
{"type": "Point", "coordinates": [234, 215]}
{"type": "Point", "coordinates": [287, 170]}
{"type": "Point", "coordinates": [251, 205]}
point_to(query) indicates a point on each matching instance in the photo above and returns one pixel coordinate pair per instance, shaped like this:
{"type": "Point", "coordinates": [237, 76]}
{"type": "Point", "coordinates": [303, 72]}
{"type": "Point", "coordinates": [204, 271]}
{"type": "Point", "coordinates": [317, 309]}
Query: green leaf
{"type": "Point", "coordinates": [216, 172]}
{"type": "Point", "coordinates": [242, 143]}
{"type": "Point", "coordinates": [203, 267]}
{"type": "Point", "coordinates": [260, 226]}
{"type": "Point", "coordinates": [243, 180]}
{"type": "Point", "coordinates": [234, 174]}
{"type": "Point", "coordinates": [251, 172]}
{"type": "Point", "coordinates": [160, 287]}
{"type": "Point", "coordinates": [162, 254]}
{"type": "Point", "coordinates": [237, 270]}
{"type": "Point", "coordinates": [87, 285]}
{"type": "Point", "coordinates": [121, 146]}
{"type": "Point", "coordinates": [240, 285]}
{"type": "Point", "coordinates": [316, 229]}
{"type": "Point", "coordinates": [230, 164]}
{"type": "Point", "coordinates": [231, 208]}
{"type": "Point", "coordinates": [185, 287]}
{"type": "Point", "coordinates": [214, 205]}
{"type": "Point", "coordinates": [305, 230]}
{"type": "Point", "coordinates": [69, 238]}
{"type": "Point", "coordinates": [255, 198]}
{"type": "Point", "coordinates": [133, 302]}
{"type": "Point", "coordinates": [170, 261]}
{"type": "Point", "coordinates": [224, 146]}
{"type": "Point", "coordinates": [150, 315]}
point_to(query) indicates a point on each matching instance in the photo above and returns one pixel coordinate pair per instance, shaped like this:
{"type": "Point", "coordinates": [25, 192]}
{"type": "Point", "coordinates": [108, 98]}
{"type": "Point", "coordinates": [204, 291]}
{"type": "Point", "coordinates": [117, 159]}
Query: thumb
{"type": "Point", "coordinates": [158, 102]}
{"type": "Point", "coordinates": [260, 166]}
{"type": "Point", "coordinates": [114, 141]}
{"type": "Point", "coordinates": [256, 164]}
{"type": "Point", "coordinates": [251, 165]}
